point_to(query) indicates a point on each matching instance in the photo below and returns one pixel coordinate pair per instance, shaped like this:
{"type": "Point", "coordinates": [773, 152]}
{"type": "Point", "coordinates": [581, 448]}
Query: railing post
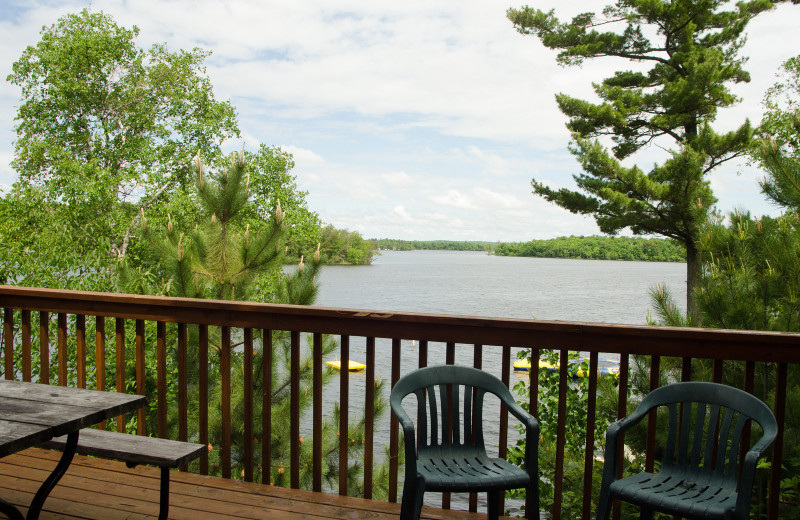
{"type": "Point", "coordinates": [316, 447]}
{"type": "Point", "coordinates": [344, 413]}
{"type": "Point", "coordinates": [8, 342]}
{"type": "Point", "coordinates": [100, 359]}
{"type": "Point", "coordinates": [225, 398]}
{"type": "Point", "coordinates": [563, 378]}
{"type": "Point", "coordinates": [777, 447]}
{"type": "Point", "coordinates": [202, 377]}
{"type": "Point", "coordinates": [266, 406]}
{"type": "Point", "coordinates": [44, 348]}
{"type": "Point", "coordinates": [161, 376]}
{"type": "Point", "coordinates": [294, 421]}
{"type": "Point", "coordinates": [26, 344]}
{"type": "Point", "coordinates": [369, 417]}
{"type": "Point", "coordinates": [62, 349]}
{"type": "Point", "coordinates": [247, 442]}
{"type": "Point", "coordinates": [119, 335]}
{"type": "Point", "coordinates": [394, 424]}
{"type": "Point", "coordinates": [141, 426]}
{"type": "Point", "coordinates": [80, 350]}
{"type": "Point", "coordinates": [183, 390]}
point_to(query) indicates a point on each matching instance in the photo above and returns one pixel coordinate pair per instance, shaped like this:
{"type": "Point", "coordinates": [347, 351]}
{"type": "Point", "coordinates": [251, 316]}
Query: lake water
{"type": "Point", "coordinates": [477, 284]}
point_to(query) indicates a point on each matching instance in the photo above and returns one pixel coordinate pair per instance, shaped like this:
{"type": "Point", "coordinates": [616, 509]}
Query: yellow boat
{"type": "Point", "coordinates": [353, 366]}
{"type": "Point", "coordinates": [525, 364]}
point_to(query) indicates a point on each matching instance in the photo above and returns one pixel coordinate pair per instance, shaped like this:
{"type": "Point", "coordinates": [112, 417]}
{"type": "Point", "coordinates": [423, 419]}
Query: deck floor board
{"type": "Point", "coordinates": [102, 489]}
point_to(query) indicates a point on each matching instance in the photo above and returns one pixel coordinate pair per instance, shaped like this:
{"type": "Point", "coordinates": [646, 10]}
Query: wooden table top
{"type": "Point", "coordinates": [32, 413]}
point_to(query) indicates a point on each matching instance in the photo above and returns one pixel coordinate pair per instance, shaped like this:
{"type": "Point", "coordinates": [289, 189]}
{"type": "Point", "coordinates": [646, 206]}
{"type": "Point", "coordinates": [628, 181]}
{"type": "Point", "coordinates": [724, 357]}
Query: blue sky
{"type": "Point", "coordinates": [422, 119]}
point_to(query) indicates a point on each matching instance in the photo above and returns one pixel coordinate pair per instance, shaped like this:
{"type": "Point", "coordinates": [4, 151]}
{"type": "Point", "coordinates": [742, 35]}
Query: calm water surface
{"type": "Point", "coordinates": [477, 284]}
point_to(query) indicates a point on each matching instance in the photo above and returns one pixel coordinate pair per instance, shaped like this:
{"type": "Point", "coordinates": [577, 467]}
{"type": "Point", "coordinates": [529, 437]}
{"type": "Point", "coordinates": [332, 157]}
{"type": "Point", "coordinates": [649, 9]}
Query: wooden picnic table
{"type": "Point", "coordinates": [32, 413]}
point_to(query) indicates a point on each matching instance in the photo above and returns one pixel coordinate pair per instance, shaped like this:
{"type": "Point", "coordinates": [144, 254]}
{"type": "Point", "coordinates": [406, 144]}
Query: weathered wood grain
{"type": "Point", "coordinates": [133, 449]}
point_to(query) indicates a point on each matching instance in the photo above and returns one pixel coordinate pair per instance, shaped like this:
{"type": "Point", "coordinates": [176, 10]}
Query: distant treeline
{"type": "Point", "coordinates": [441, 245]}
{"type": "Point", "coordinates": [598, 248]}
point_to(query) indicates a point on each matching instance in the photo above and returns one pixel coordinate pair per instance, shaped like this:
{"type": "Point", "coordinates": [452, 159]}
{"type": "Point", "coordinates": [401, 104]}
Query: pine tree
{"type": "Point", "coordinates": [751, 276]}
{"type": "Point", "coordinates": [221, 258]}
{"type": "Point", "coordinates": [691, 49]}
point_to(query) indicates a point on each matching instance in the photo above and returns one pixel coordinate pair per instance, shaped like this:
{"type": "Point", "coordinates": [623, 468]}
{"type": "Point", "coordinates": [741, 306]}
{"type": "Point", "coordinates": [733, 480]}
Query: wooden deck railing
{"type": "Point", "coordinates": [31, 313]}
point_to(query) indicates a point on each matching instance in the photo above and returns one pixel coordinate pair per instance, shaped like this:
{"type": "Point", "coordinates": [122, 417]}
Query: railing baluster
{"type": "Point", "coordinates": [80, 344]}
{"type": "Point", "coordinates": [369, 417]}
{"type": "Point", "coordinates": [717, 376]}
{"type": "Point", "coordinates": [655, 373]}
{"type": "Point", "coordinates": [344, 406]}
{"type": "Point", "coordinates": [8, 343]}
{"type": "Point", "coordinates": [225, 398]}
{"type": "Point", "coordinates": [316, 447]}
{"type": "Point", "coordinates": [503, 440]}
{"type": "Point", "coordinates": [777, 448]}
{"type": "Point", "coordinates": [686, 369]}
{"type": "Point", "coordinates": [248, 405]}
{"type": "Point", "coordinates": [26, 344]}
{"type": "Point", "coordinates": [141, 426]}
{"type": "Point", "coordinates": [450, 359]}
{"type": "Point", "coordinates": [100, 358]}
{"type": "Point", "coordinates": [119, 335]}
{"type": "Point", "coordinates": [294, 421]}
{"type": "Point", "coordinates": [533, 409]}
{"type": "Point", "coordinates": [393, 426]}
{"type": "Point", "coordinates": [588, 463]}
{"type": "Point", "coordinates": [62, 349]}
{"type": "Point", "coordinates": [161, 376]}
{"type": "Point", "coordinates": [44, 347]}
{"type": "Point", "coordinates": [183, 388]}
{"type": "Point", "coordinates": [266, 406]}
{"type": "Point", "coordinates": [202, 377]}
{"type": "Point", "coordinates": [563, 379]}
{"type": "Point", "coordinates": [477, 362]}
{"type": "Point", "coordinates": [622, 411]}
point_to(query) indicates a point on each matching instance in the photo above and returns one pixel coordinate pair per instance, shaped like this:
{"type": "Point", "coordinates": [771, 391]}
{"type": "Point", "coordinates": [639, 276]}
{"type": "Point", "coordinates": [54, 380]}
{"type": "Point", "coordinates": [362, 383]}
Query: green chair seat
{"type": "Point", "coordinates": [448, 451]}
{"type": "Point", "coordinates": [701, 475]}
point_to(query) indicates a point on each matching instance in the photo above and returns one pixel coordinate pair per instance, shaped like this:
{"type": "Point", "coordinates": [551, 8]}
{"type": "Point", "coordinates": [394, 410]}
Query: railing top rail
{"type": "Point", "coordinates": [600, 337]}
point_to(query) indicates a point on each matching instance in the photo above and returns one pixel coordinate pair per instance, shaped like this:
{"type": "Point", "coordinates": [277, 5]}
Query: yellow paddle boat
{"type": "Point", "coordinates": [353, 366]}
{"type": "Point", "coordinates": [525, 364]}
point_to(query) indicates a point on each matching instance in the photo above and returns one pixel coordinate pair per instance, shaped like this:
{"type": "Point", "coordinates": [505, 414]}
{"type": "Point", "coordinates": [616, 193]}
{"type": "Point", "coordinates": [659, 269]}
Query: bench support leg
{"type": "Point", "coordinates": [163, 508]}
{"type": "Point", "coordinates": [48, 485]}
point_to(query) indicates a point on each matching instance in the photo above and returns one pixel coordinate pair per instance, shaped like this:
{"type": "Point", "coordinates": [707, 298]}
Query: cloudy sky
{"type": "Point", "coordinates": [421, 119]}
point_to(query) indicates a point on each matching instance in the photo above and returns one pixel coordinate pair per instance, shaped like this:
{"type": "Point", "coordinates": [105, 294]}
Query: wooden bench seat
{"type": "Point", "coordinates": [135, 450]}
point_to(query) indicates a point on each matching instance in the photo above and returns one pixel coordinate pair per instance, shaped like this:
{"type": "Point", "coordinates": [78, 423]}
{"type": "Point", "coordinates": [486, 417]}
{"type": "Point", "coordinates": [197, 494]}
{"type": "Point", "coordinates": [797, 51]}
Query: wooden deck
{"type": "Point", "coordinates": [101, 489]}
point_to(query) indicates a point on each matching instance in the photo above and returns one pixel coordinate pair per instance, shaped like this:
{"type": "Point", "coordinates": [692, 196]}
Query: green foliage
{"type": "Point", "coordinates": [598, 248]}
{"type": "Point", "coordinates": [436, 245]}
{"type": "Point", "coordinates": [103, 129]}
{"type": "Point", "coordinates": [339, 246]}
{"type": "Point", "coordinates": [223, 257]}
{"type": "Point", "coordinates": [691, 49]}
{"type": "Point", "coordinates": [577, 396]}
{"type": "Point", "coordinates": [751, 270]}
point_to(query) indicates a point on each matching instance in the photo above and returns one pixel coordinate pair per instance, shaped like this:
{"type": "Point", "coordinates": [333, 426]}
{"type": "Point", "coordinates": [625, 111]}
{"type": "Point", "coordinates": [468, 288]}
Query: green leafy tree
{"type": "Point", "coordinates": [691, 49]}
{"type": "Point", "coordinates": [577, 397]}
{"type": "Point", "coordinates": [751, 268]}
{"type": "Point", "coordinates": [224, 257]}
{"type": "Point", "coordinates": [104, 129]}
{"type": "Point", "coordinates": [340, 246]}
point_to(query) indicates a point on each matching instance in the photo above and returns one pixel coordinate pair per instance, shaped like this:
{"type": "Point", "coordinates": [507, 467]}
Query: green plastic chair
{"type": "Point", "coordinates": [437, 461]}
{"type": "Point", "coordinates": [699, 473]}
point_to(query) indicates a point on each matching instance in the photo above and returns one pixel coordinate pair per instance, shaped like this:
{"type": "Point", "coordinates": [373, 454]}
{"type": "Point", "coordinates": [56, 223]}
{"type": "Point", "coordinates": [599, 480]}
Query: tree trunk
{"type": "Point", "coordinates": [693, 265]}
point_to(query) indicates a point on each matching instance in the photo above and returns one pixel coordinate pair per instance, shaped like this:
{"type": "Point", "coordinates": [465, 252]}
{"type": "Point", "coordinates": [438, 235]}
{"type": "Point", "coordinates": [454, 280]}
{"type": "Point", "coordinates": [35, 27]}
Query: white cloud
{"type": "Point", "coordinates": [454, 199]}
{"type": "Point", "coordinates": [400, 180]}
{"type": "Point", "coordinates": [303, 157]}
{"type": "Point", "coordinates": [420, 119]}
